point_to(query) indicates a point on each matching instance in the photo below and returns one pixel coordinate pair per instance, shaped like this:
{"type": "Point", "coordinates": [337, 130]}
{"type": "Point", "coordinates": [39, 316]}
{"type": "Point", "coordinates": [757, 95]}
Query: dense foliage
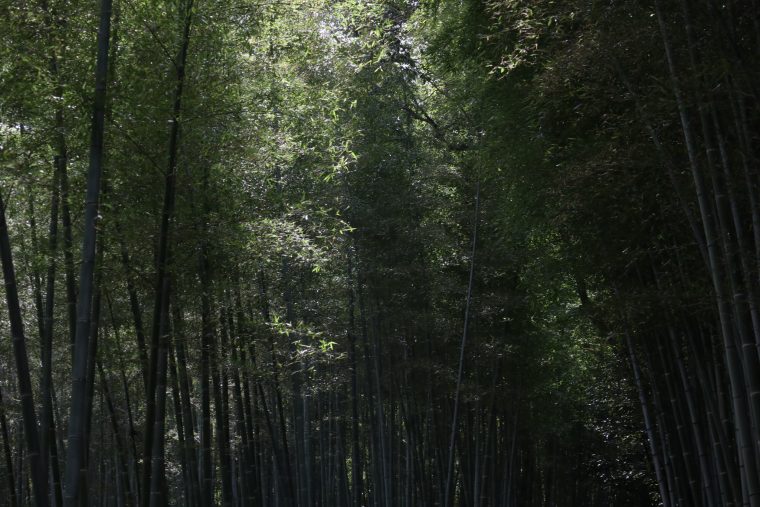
{"type": "Point", "coordinates": [329, 253]}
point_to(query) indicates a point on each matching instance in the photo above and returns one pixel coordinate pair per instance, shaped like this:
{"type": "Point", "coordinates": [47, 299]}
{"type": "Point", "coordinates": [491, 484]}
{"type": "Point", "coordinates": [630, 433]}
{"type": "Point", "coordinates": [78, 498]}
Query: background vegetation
{"type": "Point", "coordinates": [394, 253]}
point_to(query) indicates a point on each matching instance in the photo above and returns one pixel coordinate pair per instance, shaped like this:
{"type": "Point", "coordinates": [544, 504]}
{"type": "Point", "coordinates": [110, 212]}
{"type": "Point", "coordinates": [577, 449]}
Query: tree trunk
{"type": "Point", "coordinates": [158, 362]}
{"type": "Point", "coordinates": [185, 390]}
{"type": "Point", "coordinates": [75, 458]}
{"type": "Point", "coordinates": [447, 498]}
{"type": "Point", "coordinates": [219, 379]}
{"type": "Point", "coordinates": [39, 474]}
{"type": "Point", "coordinates": [123, 472]}
{"type": "Point", "coordinates": [47, 422]}
{"type": "Point", "coordinates": [8, 454]}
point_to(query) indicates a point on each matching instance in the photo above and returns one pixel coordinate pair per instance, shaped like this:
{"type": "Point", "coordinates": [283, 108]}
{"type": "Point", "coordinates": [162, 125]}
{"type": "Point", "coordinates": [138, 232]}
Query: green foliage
{"type": "Point", "coordinates": [328, 157]}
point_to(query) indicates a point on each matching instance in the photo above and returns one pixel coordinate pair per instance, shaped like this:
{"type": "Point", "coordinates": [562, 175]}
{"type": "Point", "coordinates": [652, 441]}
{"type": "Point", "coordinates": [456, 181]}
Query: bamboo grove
{"type": "Point", "coordinates": [481, 253]}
